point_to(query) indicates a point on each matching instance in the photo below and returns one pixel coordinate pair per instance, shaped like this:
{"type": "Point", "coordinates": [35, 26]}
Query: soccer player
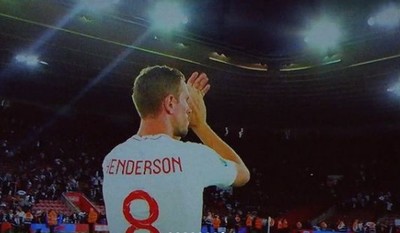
{"type": "Point", "coordinates": [153, 182]}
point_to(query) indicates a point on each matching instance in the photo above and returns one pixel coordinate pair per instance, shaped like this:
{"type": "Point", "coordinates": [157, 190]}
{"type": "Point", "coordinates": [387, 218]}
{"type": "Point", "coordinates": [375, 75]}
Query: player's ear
{"type": "Point", "coordinates": [169, 104]}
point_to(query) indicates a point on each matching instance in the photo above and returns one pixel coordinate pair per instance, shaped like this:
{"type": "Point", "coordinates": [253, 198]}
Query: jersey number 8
{"type": "Point", "coordinates": [137, 224]}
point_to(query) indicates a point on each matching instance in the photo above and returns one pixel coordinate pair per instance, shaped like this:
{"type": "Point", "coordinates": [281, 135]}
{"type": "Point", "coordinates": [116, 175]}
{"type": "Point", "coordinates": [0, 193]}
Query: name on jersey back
{"type": "Point", "coordinates": [144, 167]}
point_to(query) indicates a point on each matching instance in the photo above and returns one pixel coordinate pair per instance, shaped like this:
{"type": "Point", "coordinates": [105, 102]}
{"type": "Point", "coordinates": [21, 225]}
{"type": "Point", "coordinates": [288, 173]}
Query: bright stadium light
{"type": "Point", "coordinates": [395, 88]}
{"type": "Point", "coordinates": [167, 16]}
{"type": "Point", "coordinates": [323, 35]}
{"type": "Point", "coordinates": [388, 17]}
{"type": "Point", "coordinates": [32, 60]}
{"type": "Point", "coordinates": [29, 60]}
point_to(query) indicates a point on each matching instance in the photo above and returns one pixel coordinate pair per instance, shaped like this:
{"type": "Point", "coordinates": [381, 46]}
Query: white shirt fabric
{"type": "Point", "coordinates": [172, 172]}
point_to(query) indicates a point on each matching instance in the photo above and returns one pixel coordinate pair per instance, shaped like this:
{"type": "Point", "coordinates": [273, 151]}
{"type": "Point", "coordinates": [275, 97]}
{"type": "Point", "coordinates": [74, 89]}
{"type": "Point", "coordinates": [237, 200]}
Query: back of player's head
{"type": "Point", "coordinates": [152, 85]}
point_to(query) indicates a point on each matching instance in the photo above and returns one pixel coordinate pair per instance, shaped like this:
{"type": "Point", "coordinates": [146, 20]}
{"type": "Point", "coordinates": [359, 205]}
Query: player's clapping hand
{"type": "Point", "coordinates": [198, 86]}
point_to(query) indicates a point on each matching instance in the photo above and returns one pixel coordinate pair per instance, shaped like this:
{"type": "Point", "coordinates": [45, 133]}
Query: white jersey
{"type": "Point", "coordinates": [155, 184]}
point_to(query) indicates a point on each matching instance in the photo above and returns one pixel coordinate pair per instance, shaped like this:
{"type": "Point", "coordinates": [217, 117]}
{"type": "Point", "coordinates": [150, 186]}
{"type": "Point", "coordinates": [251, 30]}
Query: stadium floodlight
{"type": "Point", "coordinates": [32, 60]}
{"type": "Point", "coordinates": [388, 17]}
{"type": "Point", "coordinates": [167, 16]}
{"type": "Point", "coordinates": [323, 35]}
{"type": "Point", "coordinates": [28, 59]}
{"type": "Point", "coordinates": [394, 88]}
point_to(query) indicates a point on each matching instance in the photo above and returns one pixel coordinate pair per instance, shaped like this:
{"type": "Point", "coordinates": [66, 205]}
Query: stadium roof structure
{"type": "Point", "coordinates": [83, 55]}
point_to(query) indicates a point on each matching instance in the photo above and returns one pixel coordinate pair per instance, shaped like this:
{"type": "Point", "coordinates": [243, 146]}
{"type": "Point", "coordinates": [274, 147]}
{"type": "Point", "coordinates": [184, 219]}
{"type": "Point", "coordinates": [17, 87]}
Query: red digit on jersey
{"type": "Point", "coordinates": [137, 224]}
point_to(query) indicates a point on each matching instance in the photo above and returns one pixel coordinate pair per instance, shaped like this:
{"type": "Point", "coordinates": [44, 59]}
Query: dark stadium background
{"type": "Point", "coordinates": [301, 118]}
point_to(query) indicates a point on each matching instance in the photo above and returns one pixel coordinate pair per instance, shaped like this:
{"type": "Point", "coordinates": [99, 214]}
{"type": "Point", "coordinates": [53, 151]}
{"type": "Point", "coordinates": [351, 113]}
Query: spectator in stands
{"type": "Point", "coordinates": [298, 227]}
{"type": "Point", "coordinates": [40, 217]}
{"type": "Point", "coordinates": [216, 223]}
{"type": "Point", "coordinates": [258, 224]}
{"type": "Point", "coordinates": [285, 226]}
{"type": "Point", "coordinates": [52, 220]}
{"type": "Point", "coordinates": [279, 225]}
{"type": "Point", "coordinates": [28, 220]}
{"type": "Point", "coordinates": [238, 223]}
{"type": "Point", "coordinates": [60, 217]}
{"type": "Point", "coordinates": [272, 223]}
{"type": "Point", "coordinates": [357, 226]}
{"type": "Point", "coordinates": [249, 221]}
{"type": "Point", "coordinates": [208, 221]}
{"type": "Point", "coordinates": [92, 219]}
{"type": "Point", "coordinates": [19, 217]}
{"type": "Point", "coordinates": [370, 227]}
{"type": "Point", "coordinates": [323, 226]}
{"type": "Point", "coordinates": [341, 226]}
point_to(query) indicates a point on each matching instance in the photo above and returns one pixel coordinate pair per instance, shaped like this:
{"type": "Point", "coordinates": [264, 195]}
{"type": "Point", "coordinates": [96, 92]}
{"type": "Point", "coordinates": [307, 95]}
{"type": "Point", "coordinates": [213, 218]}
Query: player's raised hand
{"type": "Point", "coordinates": [199, 82]}
{"type": "Point", "coordinates": [197, 86]}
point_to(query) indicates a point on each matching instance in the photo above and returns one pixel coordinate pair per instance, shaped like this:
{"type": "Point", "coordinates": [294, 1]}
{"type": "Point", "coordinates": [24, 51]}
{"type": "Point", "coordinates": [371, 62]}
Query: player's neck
{"type": "Point", "coordinates": [154, 126]}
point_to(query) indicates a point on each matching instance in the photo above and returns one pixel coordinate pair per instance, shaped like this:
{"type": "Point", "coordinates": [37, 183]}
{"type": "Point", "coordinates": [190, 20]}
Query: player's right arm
{"type": "Point", "coordinates": [198, 87]}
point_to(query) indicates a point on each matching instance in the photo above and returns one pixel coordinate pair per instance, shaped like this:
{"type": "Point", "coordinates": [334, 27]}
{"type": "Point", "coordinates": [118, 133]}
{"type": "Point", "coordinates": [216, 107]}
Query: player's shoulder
{"type": "Point", "coordinates": [194, 145]}
{"type": "Point", "coordinates": [121, 147]}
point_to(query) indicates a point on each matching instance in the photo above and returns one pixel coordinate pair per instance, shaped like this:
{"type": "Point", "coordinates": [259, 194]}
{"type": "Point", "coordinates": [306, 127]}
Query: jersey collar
{"type": "Point", "coordinates": [152, 136]}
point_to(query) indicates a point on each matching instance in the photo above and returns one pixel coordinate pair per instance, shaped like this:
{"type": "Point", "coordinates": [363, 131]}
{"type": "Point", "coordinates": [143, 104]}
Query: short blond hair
{"type": "Point", "coordinates": [152, 85]}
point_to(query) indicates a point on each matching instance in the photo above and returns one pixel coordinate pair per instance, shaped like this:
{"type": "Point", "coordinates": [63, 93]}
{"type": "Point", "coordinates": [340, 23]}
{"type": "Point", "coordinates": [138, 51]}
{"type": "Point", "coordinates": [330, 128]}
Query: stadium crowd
{"type": "Point", "coordinates": [46, 154]}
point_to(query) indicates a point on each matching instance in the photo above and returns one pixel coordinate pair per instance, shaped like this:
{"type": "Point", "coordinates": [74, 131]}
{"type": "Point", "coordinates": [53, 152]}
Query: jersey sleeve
{"type": "Point", "coordinates": [213, 169]}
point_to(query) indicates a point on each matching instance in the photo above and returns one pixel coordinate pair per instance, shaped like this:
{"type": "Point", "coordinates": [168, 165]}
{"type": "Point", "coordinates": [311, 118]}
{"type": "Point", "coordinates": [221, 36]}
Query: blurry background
{"type": "Point", "coordinates": [308, 92]}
